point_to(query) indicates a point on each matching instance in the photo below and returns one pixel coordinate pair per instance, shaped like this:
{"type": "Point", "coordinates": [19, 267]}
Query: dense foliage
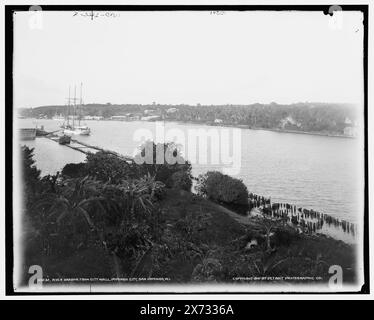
{"type": "Point", "coordinates": [105, 203]}
{"type": "Point", "coordinates": [119, 225]}
{"type": "Point", "coordinates": [74, 170]}
{"type": "Point", "coordinates": [181, 180]}
{"type": "Point", "coordinates": [222, 188]}
{"type": "Point", "coordinates": [31, 175]}
{"type": "Point", "coordinates": [162, 161]}
{"type": "Point", "coordinates": [109, 167]}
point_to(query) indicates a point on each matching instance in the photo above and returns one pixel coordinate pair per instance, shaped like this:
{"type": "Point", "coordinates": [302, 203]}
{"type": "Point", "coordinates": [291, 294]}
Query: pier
{"type": "Point", "coordinates": [87, 148]}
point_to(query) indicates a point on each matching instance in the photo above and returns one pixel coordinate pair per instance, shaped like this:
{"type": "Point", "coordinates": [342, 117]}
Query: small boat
{"type": "Point", "coordinates": [64, 139]}
{"type": "Point", "coordinates": [40, 132]}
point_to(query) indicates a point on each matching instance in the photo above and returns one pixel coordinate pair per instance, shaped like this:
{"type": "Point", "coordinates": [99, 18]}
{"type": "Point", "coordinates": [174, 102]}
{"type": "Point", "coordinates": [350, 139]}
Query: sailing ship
{"type": "Point", "coordinates": [58, 117]}
{"type": "Point", "coordinates": [73, 128]}
{"type": "Point", "coordinates": [77, 130]}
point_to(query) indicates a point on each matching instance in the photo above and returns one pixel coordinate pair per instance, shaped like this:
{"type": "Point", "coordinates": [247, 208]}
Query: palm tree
{"type": "Point", "coordinates": [152, 186]}
{"type": "Point", "coordinates": [67, 208]}
{"type": "Point", "coordinates": [135, 195]}
{"type": "Point", "coordinates": [269, 225]}
{"type": "Point", "coordinates": [81, 199]}
{"type": "Point", "coordinates": [72, 201]}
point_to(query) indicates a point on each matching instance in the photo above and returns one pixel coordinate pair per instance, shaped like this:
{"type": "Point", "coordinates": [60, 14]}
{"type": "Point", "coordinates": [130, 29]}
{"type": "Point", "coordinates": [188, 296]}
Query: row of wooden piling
{"type": "Point", "coordinates": [308, 220]}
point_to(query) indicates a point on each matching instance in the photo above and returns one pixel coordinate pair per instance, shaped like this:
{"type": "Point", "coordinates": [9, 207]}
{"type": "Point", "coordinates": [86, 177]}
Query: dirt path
{"type": "Point", "coordinates": [239, 218]}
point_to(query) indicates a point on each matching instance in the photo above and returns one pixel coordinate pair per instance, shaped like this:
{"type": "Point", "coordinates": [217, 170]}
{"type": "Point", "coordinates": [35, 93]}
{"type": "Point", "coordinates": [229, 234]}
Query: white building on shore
{"type": "Point", "coordinates": [93, 118]}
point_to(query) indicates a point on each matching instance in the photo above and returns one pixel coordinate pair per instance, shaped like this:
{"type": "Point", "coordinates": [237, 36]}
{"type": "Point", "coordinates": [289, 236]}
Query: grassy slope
{"type": "Point", "coordinates": [225, 235]}
{"type": "Point", "coordinates": [196, 229]}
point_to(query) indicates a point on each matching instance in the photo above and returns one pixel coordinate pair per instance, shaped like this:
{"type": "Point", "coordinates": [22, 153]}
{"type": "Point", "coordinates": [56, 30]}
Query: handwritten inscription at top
{"type": "Point", "coordinates": [96, 14]}
{"type": "Point", "coordinates": [217, 13]}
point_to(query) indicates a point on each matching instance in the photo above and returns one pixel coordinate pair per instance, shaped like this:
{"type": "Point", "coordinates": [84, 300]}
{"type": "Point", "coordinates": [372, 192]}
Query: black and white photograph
{"type": "Point", "coordinates": [187, 149]}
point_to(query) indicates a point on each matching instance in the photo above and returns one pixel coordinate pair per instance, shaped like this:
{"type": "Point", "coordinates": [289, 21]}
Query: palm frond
{"type": "Point", "coordinates": [86, 216]}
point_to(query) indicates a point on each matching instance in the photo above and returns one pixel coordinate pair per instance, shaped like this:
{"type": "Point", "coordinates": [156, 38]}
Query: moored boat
{"type": "Point", "coordinates": [64, 139]}
{"type": "Point", "coordinates": [40, 132]}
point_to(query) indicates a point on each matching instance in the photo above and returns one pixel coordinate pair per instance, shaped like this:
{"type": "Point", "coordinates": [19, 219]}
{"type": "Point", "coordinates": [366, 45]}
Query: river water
{"type": "Point", "coordinates": [316, 172]}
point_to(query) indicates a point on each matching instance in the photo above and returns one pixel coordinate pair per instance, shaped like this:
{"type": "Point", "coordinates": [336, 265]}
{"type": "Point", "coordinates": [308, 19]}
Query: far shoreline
{"type": "Point", "coordinates": [239, 126]}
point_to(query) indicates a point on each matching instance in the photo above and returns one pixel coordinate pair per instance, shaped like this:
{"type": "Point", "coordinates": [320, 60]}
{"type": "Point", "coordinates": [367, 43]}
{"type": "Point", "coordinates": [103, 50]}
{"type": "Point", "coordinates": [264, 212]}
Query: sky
{"type": "Point", "coordinates": [187, 57]}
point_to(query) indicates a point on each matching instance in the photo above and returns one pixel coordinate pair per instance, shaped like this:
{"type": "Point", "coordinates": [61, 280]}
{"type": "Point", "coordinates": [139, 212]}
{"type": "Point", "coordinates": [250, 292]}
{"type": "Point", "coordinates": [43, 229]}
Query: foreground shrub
{"type": "Point", "coordinates": [180, 180]}
{"type": "Point", "coordinates": [284, 236]}
{"type": "Point", "coordinates": [31, 175]}
{"type": "Point", "coordinates": [209, 269]}
{"type": "Point", "coordinates": [161, 161]}
{"type": "Point", "coordinates": [74, 170]}
{"type": "Point", "coordinates": [81, 211]}
{"type": "Point", "coordinates": [156, 189]}
{"type": "Point", "coordinates": [222, 188]}
{"type": "Point", "coordinates": [109, 167]}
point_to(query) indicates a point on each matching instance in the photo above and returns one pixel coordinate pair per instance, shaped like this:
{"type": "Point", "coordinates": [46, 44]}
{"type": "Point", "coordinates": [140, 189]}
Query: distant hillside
{"type": "Point", "coordinates": [309, 117]}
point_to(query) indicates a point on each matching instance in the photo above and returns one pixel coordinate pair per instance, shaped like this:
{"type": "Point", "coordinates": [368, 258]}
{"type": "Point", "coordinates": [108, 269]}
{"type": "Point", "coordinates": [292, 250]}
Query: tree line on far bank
{"type": "Point", "coordinates": [310, 117]}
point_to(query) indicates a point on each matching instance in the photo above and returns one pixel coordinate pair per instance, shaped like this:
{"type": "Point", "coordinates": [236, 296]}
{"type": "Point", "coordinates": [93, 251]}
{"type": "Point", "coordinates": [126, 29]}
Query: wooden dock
{"type": "Point", "coordinates": [87, 148]}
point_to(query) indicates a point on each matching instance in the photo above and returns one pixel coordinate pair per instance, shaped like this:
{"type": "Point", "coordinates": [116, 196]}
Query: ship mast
{"type": "Point", "coordinates": [68, 109]}
{"type": "Point", "coordinates": [80, 105]}
{"type": "Point", "coordinates": [75, 105]}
